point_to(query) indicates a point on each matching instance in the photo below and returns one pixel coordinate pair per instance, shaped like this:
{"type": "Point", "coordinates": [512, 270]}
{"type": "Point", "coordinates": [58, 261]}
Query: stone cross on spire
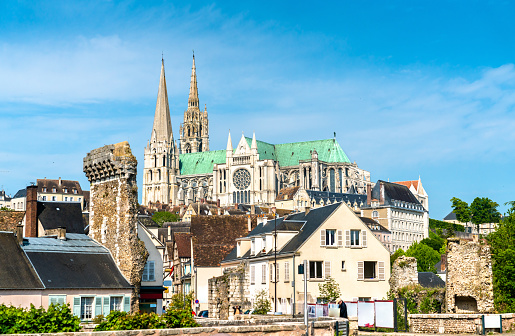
{"type": "Point", "coordinates": [193, 98]}
{"type": "Point", "coordinates": [162, 129]}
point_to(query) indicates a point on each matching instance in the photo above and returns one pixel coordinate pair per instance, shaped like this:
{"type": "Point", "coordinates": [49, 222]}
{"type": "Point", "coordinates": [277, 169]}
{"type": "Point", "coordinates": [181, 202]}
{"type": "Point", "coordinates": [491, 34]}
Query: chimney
{"type": "Point", "coordinates": [59, 180]}
{"type": "Point", "coordinates": [369, 194]}
{"type": "Point", "coordinates": [31, 215]}
{"type": "Point", "coordinates": [218, 202]}
{"type": "Point", "coordinates": [252, 209]}
{"type": "Point", "coordinates": [19, 233]}
{"type": "Point", "coordinates": [381, 193]}
{"type": "Point", "coordinates": [169, 232]}
{"type": "Point", "coordinates": [443, 265]}
{"type": "Point", "coordinates": [249, 223]}
{"type": "Point", "coordinates": [61, 233]}
{"type": "Point", "coordinates": [308, 209]}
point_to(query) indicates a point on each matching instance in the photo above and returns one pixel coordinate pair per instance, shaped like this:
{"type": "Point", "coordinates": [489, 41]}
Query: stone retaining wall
{"type": "Point", "coordinates": [453, 323]}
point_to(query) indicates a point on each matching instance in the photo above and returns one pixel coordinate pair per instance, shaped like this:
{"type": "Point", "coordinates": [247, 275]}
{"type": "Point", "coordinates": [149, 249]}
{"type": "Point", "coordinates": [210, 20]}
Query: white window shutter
{"type": "Point", "coordinates": [53, 300]}
{"type": "Point", "coordinates": [340, 238]}
{"type": "Point", "coordinates": [381, 270]}
{"type": "Point", "coordinates": [106, 306]}
{"type": "Point", "coordinates": [360, 270]}
{"type": "Point", "coordinates": [322, 237]}
{"type": "Point", "coordinates": [127, 303]}
{"type": "Point", "coordinates": [277, 274]}
{"type": "Point", "coordinates": [252, 275]}
{"type": "Point", "coordinates": [364, 238]}
{"type": "Point", "coordinates": [263, 274]}
{"type": "Point", "coordinates": [76, 306]}
{"type": "Point", "coordinates": [98, 305]}
{"type": "Point", "coordinates": [347, 238]}
{"type": "Point", "coordinates": [327, 269]}
{"type": "Point", "coordinates": [286, 271]}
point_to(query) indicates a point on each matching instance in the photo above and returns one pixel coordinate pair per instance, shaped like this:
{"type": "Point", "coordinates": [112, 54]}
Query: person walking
{"type": "Point", "coordinates": [343, 308]}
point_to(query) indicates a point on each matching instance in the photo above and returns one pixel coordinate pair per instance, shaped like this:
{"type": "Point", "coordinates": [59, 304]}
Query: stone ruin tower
{"type": "Point", "coordinates": [111, 171]}
{"type": "Point", "coordinates": [469, 285]}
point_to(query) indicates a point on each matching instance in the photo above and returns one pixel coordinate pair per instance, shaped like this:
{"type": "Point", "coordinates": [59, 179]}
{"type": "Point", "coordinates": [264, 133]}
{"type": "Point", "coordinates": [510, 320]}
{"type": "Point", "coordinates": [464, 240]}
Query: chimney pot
{"type": "Point", "coordinates": [59, 180]}
{"type": "Point", "coordinates": [19, 233]}
{"type": "Point", "coordinates": [61, 233]}
{"type": "Point", "coordinates": [31, 214]}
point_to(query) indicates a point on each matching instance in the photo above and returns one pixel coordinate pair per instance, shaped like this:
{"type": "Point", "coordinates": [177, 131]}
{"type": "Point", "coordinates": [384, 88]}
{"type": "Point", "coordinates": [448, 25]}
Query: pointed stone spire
{"type": "Point", "coordinates": [193, 98]}
{"type": "Point", "coordinates": [162, 129]}
{"type": "Point", "coordinates": [229, 142]}
{"type": "Point", "coordinates": [254, 142]}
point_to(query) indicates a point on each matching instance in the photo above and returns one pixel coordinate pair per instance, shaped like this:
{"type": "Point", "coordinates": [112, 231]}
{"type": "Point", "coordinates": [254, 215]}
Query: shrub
{"type": "Point", "coordinates": [174, 318]}
{"type": "Point", "coordinates": [58, 318]}
{"type": "Point", "coordinates": [262, 303]}
{"type": "Point", "coordinates": [329, 291]}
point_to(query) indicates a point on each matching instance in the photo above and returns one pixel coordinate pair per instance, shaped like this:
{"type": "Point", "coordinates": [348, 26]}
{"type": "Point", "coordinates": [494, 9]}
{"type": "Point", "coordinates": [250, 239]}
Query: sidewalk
{"type": "Point", "coordinates": [371, 333]}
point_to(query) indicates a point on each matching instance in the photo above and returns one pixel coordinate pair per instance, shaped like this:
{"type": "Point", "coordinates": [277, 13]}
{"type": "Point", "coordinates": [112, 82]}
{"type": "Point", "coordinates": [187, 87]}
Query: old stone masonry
{"type": "Point", "coordinates": [111, 170]}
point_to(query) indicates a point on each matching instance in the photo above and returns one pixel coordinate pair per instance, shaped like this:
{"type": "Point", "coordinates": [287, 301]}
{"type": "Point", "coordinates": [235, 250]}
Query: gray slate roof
{"type": "Point", "coordinates": [61, 214]}
{"type": "Point", "coordinates": [326, 196]}
{"type": "Point", "coordinates": [393, 191]}
{"type": "Point", "coordinates": [430, 280]}
{"type": "Point", "coordinates": [21, 193]}
{"type": "Point", "coordinates": [16, 271]}
{"type": "Point", "coordinates": [451, 216]}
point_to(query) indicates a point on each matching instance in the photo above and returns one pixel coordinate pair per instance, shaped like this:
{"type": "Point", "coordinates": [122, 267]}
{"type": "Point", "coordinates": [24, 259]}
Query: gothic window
{"type": "Point", "coordinates": [340, 172]}
{"type": "Point", "coordinates": [332, 183]}
{"type": "Point", "coordinates": [164, 161]}
{"type": "Point", "coordinates": [234, 196]}
{"type": "Point", "coordinates": [241, 179]}
{"type": "Point", "coordinates": [159, 175]}
{"type": "Point", "coordinates": [150, 175]}
{"type": "Point", "coordinates": [188, 148]}
{"type": "Point", "coordinates": [155, 161]}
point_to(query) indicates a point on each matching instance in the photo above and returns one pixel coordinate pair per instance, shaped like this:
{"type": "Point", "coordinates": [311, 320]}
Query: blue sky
{"type": "Point", "coordinates": [411, 88]}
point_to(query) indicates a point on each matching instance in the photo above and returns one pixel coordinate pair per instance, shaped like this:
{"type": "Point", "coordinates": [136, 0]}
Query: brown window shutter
{"type": "Point", "coordinates": [327, 269]}
{"type": "Point", "coordinates": [360, 270]}
{"type": "Point", "coordinates": [340, 238]}
{"type": "Point", "coordinates": [322, 237]}
{"type": "Point", "coordinates": [364, 238]}
{"type": "Point", "coordinates": [347, 238]}
{"type": "Point", "coordinates": [381, 270]}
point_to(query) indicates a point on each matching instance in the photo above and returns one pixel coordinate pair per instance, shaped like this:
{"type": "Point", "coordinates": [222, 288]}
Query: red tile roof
{"type": "Point", "coordinates": [183, 242]}
{"type": "Point", "coordinates": [409, 183]}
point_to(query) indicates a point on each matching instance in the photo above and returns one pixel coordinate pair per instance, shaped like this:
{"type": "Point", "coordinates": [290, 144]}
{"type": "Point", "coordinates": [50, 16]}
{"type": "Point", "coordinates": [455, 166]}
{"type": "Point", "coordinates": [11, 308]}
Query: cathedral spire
{"type": "Point", "coordinates": [254, 142]}
{"type": "Point", "coordinates": [162, 129]}
{"type": "Point", "coordinates": [193, 98]}
{"type": "Point", "coordinates": [229, 142]}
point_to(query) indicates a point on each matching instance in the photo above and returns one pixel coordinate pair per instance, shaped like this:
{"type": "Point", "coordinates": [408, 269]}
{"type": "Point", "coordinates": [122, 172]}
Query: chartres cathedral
{"type": "Point", "coordinates": [250, 172]}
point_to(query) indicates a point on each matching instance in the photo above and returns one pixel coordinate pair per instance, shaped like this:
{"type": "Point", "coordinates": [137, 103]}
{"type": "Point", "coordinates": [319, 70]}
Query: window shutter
{"type": "Point", "coordinates": [286, 271]}
{"type": "Point", "coordinates": [347, 238]}
{"type": "Point", "coordinates": [271, 273]}
{"type": "Point", "coordinates": [277, 268]}
{"type": "Point", "coordinates": [76, 306]}
{"type": "Point", "coordinates": [61, 299]}
{"type": "Point", "coordinates": [263, 274]}
{"type": "Point", "coordinates": [364, 238]}
{"type": "Point", "coordinates": [381, 270]}
{"type": "Point", "coordinates": [106, 305]}
{"type": "Point", "coordinates": [98, 305]}
{"type": "Point", "coordinates": [327, 269]}
{"type": "Point", "coordinates": [340, 238]}
{"type": "Point", "coordinates": [360, 270]}
{"type": "Point", "coordinates": [322, 237]}
{"type": "Point", "coordinates": [252, 275]}
{"type": "Point", "coordinates": [53, 300]}
{"type": "Point", "coordinates": [127, 303]}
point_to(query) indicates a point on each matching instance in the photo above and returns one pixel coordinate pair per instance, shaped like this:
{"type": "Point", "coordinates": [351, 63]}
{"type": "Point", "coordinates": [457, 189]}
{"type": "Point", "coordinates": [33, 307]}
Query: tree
{"type": "Point", "coordinates": [162, 217]}
{"type": "Point", "coordinates": [425, 255]}
{"type": "Point", "coordinates": [395, 255]}
{"type": "Point", "coordinates": [261, 303]}
{"type": "Point", "coordinates": [434, 241]}
{"type": "Point", "coordinates": [484, 210]}
{"type": "Point", "coordinates": [502, 247]}
{"type": "Point", "coordinates": [329, 291]}
{"type": "Point", "coordinates": [461, 209]}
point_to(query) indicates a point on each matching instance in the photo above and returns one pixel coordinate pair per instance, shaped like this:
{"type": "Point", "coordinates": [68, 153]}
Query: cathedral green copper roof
{"type": "Point", "coordinates": [201, 162]}
{"type": "Point", "coordinates": [329, 150]}
{"type": "Point", "coordinates": [288, 154]}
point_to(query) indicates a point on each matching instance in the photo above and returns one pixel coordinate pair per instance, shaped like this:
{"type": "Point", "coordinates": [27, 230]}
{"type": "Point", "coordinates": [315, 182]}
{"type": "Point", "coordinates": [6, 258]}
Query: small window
{"type": "Point", "coordinates": [74, 191]}
{"type": "Point", "coordinates": [71, 199]}
{"type": "Point", "coordinates": [315, 270]}
{"type": "Point", "coordinates": [44, 198]}
{"type": "Point", "coordinates": [56, 299]}
{"type": "Point", "coordinates": [375, 214]}
{"type": "Point", "coordinates": [330, 237]}
{"type": "Point", "coordinates": [65, 190]}
{"type": "Point", "coordinates": [263, 274]}
{"type": "Point", "coordinates": [354, 237]}
{"type": "Point", "coordinates": [44, 189]}
{"type": "Point", "coordinates": [66, 199]}
{"type": "Point", "coordinates": [343, 265]}
{"type": "Point", "coordinates": [54, 190]}
{"type": "Point", "coordinates": [54, 198]}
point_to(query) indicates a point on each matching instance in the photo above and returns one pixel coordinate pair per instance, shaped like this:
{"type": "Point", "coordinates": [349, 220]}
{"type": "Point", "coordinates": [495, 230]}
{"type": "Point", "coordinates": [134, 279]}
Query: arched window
{"type": "Point", "coordinates": [189, 131]}
{"type": "Point", "coordinates": [155, 161]}
{"type": "Point", "coordinates": [375, 214]}
{"type": "Point", "coordinates": [159, 174]}
{"type": "Point", "coordinates": [332, 182]}
{"type": "Point", "coordinates": [164, 160]}
{"type": "Point", "coordinates": [150, 175]}
{"type": "Point", "coordinates": [234, 196]}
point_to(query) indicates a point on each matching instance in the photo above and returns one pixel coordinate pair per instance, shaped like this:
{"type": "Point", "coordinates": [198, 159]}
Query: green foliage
{"type": "Point", "coordinates": [395, 255]}
{"type": "Point", "coordinates": [329, 291]}
{"type": "Point", "coordinates": [181, 301]}
{"type": "Point", "coordinates": [438, 224]}
{"type": "Point", "coordinates": [434, 241]}
{"type": "Point", "coordinates": [173, 318]}
{"type": "Point", "coordinates": [162, 217]}
{"type": "Point", "coordinates": [261, 303]}
{"type": "Point", "coordinates": [58, 318]}
{"type": "Point", "coordinates": [461, 209]}
{"type": "Point", "coordinates": [502, 243]}
{"type": "Point", "coordinates": [6, 209]}
{"type": "Point", "coordinates": [425, 255]}
{"type": "Point", "coordinates": [484, 210]}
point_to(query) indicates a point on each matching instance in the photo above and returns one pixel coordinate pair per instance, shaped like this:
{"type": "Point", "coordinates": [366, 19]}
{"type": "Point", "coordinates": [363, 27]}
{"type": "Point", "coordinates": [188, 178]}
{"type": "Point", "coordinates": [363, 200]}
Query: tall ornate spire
{"type": "Point", "coordinates": [229, 142]}
{"type": "Point", "coordinates": [193, 98]}
{"type": "Point", "coordinates": [162, 129]}
{"type": "Point", "coordinates": [254, 142]}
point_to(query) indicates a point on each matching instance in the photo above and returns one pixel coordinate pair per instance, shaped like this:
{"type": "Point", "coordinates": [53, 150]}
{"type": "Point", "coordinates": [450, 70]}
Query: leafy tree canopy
{"type": "Point", "coordinates": [484, 210]}
{"type": "Point", "coordinates": [425, 255]}
{"type": "Point", "coordinates": [162, 217]}
{"type": "Point", "coordinates": [395, 255]}
{"type": "Point", "coordinates": [461, 209]}
{"type": "Point", "coordinates": [434, 241]}
{"type": "Point", "coordinates": [502, 243]}
{"type": "Point", "coordinates": [329, 291]}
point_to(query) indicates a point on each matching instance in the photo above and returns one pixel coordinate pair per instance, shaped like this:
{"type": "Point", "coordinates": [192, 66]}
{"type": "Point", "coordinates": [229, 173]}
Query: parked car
{"type": "Point", "coordinates": [203, 313]}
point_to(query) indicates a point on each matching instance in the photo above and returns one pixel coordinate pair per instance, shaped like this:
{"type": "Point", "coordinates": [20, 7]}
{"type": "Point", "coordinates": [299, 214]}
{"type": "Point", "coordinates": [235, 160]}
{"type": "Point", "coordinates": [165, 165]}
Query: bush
{"type": "Point", "coordinates": [174, 318]}
{"type": "Point", "coordinates": [58, 318]}
{"type": "Point", "coordinates": [329, 291]}
{"type": "Point", "coordinates": [162, 217]}
{"type": "Point", "coordinates": [261, 303]}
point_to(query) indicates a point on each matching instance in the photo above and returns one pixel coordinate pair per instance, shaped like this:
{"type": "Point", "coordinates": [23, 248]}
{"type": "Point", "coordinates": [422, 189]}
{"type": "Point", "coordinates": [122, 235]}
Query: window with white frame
{"type": "Point", "coordinates": [315, 270]}
{"type": "Point", "coordinates": [354, 237]}
{"type": "Point", "coordinates": [148, 271]}
{"type": "Point", "coordinates": [116, 303]}
{"type": "Point", "coordinates": [330, 239]}
{"type": "Point", "coordinates": [86, 308]}
{"type": "Point", "coordinates": [56, 299]}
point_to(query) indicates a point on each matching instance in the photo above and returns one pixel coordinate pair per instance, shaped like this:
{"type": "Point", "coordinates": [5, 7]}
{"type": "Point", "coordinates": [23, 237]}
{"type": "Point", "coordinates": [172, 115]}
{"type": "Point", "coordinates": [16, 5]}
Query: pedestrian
{"type": "Point", "coordinates": [343, 308]}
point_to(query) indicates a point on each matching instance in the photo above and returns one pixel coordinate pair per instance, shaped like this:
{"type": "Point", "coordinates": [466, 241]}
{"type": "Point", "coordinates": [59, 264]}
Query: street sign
{"type": "Point", "coordinates": [196, 301]}
{"type": "Point", "coordinates": [301, 269]}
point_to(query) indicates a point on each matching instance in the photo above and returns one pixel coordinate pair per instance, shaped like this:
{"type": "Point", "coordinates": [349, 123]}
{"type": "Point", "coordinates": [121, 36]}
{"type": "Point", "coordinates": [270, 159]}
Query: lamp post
{"type": "Point", "coordinates": [275, 262]}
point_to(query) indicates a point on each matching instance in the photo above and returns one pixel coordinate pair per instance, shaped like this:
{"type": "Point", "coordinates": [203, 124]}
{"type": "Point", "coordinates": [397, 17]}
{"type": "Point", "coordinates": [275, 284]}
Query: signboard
{"type": "Point", "coordinates": [384, 314]}
{"type": "Point", "coordinates": [365, 313]}
{"type": "Point", "coordinates": [196, 301]}
{"type": "Point", "coordinates": [352, 309]}
{"type": "Point", "coordinates": [492, 321]}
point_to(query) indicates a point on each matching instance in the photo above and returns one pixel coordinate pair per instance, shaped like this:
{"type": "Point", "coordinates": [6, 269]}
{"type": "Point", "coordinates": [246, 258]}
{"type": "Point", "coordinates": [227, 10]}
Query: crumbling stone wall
{"type": "Point", "coordinates": [469, 286]}
{"type": "Point", "coordinates": [111, 171]}
{"type": "Point", "coordinates": [228, 291]}
{"type": "Point", "coordinates": [404, 273]}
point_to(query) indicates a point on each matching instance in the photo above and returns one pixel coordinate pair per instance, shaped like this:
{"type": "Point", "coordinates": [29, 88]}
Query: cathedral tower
{"type": "Point", "coordinates": [194, 131]}
{"type": "Point", "coordinates": [161, 154]}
